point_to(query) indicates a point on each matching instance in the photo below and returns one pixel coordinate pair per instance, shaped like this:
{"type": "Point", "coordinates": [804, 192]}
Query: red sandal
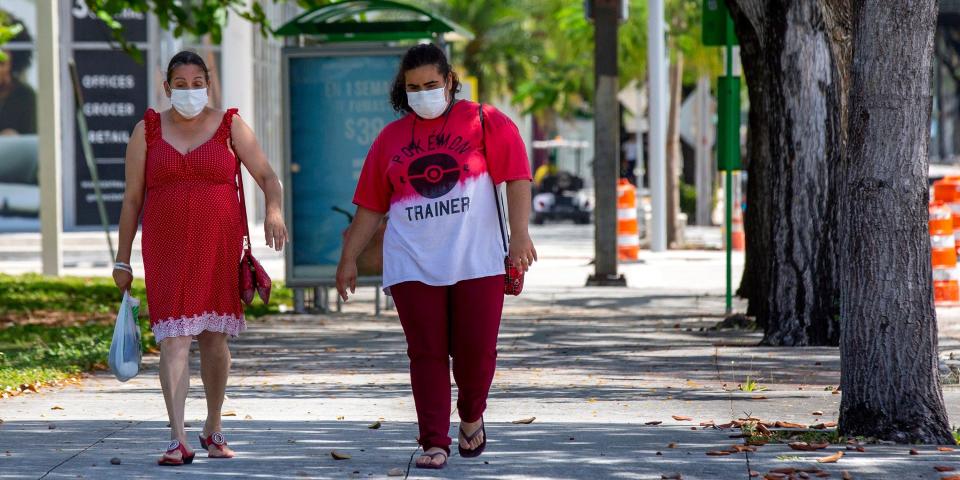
{"type": "Point", "coordinates": [185, 456]}
{"type": "Point", "coordinates": [217, 440]}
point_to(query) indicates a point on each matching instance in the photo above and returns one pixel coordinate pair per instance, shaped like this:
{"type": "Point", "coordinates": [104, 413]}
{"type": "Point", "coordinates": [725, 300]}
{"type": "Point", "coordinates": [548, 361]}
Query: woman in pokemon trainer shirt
{"type": "Point", "coordinates": [433, 172]}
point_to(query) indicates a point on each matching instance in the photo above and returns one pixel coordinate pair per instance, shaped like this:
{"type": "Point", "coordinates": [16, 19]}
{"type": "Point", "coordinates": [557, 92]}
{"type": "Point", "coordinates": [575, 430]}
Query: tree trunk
{"type": "Point", "coordinates": [754, 284]}
{"type": "Point", "coordinates": [799, 305]}
{"type": "Point", "coordinates": [891, 388]}
{"type": "Point", "coordinates": [674, 159]}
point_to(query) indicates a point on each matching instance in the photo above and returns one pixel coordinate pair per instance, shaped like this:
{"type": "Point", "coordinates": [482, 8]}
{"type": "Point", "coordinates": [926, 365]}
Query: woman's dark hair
{"type": "Point", "coordinates": [20, 60]}
{"type": "Point", "coordinates": [418, 56]}
{"type": "Point", "coordinates": [186, 57]}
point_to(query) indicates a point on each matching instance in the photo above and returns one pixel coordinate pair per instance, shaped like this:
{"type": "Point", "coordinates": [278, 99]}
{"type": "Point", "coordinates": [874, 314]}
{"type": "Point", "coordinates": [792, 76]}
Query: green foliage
{"type": "Point", "coordinates": [31, 353]}
{"type": "Point", "coordinates": [688, 200]}
{"type": "Point", "coordinates": [39, 353]}
{"type": "Point", "coordinates": [498, 53]}
{"type": "Point", "coordinates": [562, 54]}
{"type": "Point", "coordinates": [751, 385]}
{"type": "Point", "coordinates": [196, 18]}
{"type": "Point", "coordinates": [831, 436]}
{"type": "Point", "coordinates": [27, 294]}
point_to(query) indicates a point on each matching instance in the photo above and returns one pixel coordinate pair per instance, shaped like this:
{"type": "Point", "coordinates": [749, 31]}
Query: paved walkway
{"type": "Point", "coordinates": [592, 365]}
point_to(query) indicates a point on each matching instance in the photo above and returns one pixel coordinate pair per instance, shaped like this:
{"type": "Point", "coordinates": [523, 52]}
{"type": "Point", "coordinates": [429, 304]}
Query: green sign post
{"type": "Point", "coordinates": [718, 31]}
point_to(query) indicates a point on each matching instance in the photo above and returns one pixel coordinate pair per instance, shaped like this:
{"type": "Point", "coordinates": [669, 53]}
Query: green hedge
{"type": "Point", "coordinates": [32, 353]}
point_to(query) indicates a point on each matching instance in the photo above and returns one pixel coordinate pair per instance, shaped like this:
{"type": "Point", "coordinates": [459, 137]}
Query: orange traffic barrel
{"type": "Point", "coordinates": [628, 230]}
{"type": "Point", "coordinates": [941, 219]}
{"type": "Point", "coordinates": [738, 238]}
{"type": "Point", "coordinates": [943, 251]}
{"type": "Point", "coordinates": [946, 288]}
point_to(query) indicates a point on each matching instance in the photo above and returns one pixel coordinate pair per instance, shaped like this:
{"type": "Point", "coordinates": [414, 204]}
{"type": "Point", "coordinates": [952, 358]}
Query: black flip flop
{"type": "Point", "coordinates": [431, 465]}
{"type": "Point", "coordinates": [469, 438]}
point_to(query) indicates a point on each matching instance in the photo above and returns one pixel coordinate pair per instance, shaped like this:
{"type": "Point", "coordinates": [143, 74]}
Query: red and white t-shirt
{"type": "Point", "coordinates": [435, 180]}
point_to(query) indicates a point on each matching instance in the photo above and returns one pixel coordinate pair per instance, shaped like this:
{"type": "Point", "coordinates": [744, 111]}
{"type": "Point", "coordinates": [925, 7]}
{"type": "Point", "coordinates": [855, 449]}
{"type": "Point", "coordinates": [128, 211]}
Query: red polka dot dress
{"type": "Point", "coordinates": [192, 235]}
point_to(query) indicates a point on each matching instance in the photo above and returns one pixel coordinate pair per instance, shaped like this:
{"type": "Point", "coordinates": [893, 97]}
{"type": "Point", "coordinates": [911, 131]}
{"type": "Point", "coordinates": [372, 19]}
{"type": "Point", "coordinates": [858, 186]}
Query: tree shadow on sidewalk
{"type": "Point", "coordinates": [303, 450]}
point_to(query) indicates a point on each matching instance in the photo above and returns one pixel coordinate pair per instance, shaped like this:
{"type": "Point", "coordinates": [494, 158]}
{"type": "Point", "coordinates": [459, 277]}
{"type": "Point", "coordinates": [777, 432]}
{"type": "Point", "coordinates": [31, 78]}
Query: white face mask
{"type": "Point", "coordinates": [189, 103]}
{"type": "Point", "coordinates": [428, 104]}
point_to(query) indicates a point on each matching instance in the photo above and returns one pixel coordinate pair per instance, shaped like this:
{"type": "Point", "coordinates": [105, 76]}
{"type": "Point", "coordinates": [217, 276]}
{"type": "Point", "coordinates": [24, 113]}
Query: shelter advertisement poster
{"type": "Point", "coordinates": [337, 103]}
{"type": "Point", "coordinates": [19, 193]}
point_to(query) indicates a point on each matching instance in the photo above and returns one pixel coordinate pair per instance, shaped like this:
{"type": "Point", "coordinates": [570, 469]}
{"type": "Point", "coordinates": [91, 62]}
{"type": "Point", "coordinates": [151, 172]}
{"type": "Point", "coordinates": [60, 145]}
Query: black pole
{"type": "Point", "coordinates": [606, 16]}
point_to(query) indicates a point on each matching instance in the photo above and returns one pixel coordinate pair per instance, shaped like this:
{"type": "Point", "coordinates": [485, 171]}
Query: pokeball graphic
{"type": "Point", "coordinates": [433, 176]}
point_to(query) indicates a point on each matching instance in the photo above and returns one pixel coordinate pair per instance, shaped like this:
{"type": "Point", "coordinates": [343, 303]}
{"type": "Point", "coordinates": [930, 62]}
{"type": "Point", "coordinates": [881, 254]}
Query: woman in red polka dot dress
{"type": "Point", "coordinates": [181, 174]}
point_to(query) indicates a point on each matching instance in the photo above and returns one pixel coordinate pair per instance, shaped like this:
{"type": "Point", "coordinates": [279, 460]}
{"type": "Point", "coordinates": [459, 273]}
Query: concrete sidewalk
{"type": "Point", "coordinates": [592, 365]}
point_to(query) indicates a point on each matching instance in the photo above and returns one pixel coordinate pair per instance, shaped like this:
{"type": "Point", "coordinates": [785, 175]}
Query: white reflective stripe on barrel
{"type": "Point", "coordinates": [628, 240]}
{"type": "Point", "coordinates": [626, 213]}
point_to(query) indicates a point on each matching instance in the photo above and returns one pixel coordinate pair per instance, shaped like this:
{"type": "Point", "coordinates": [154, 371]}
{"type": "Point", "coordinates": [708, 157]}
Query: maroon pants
{"type": "Point", "coordinates": [460, 321]}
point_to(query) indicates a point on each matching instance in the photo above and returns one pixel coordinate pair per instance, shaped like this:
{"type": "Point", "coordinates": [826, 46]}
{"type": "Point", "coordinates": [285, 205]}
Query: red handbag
{"type": "Point", "coordinates": [513, 277]}
{"type": "Point", "coordinates": [253, 278]}
{"type": "Point", "coordinates": [513, 280]}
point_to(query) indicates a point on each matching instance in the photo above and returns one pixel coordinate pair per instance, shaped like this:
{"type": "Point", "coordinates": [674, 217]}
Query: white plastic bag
{"type": "Point", "coordinates": [125, 352]}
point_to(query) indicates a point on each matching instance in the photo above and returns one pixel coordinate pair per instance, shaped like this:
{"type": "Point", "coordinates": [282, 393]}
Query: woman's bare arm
{"type": "Point", "coordinates": [133, 194]}
{"type": "Point", "coordinates": [248, 149]}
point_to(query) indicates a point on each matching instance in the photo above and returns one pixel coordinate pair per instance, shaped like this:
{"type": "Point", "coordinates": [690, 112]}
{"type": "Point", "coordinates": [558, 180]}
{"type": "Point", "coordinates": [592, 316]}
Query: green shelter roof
{"type": "Point", "coordinates": [372, 21]}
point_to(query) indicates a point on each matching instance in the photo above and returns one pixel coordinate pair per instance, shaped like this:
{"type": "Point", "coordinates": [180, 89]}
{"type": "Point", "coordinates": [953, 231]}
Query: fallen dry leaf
{"type": "Point", "coordinates": [229, 413]}
{"type": "Point", "coordinates": [807, 447]}
{"type": "Point", "coordinates": [789, 425]}
{"type": "Point", "coordinates": [374, 425]}
{"type": "Point", "coordinates": [832, 458]}
{"type": "Point", "coordinates": [725, 426]}
{"type": "Point", "coordinates": [655, 422]}
{"type": "Point", "coordinates": [818, 413]}
{"type": "Point", "coordinates": [744, 448]}
{"type": "Point", "coordinates": [758, 397]}
{"type": "Point", "coordinates": [671, 476]}
{"type": "Point", "coordinates": [951, 477]}
{"type": "Point", "coordinates": [525, 421]}
{"type": "Point", "coordinates": [941, 468]}
{"type": "Point", "coordinates": [822, 474]}
{"type": "Point", "coordinates": [913, 451]}
{"type": "Point", "coordinates": [682, 418]}
{"type": "Point", "coordinates": [395, 472]}
{"type": "Point", "coordinates": [775, 476]}
{"type": "Point", "coordinates": [672, 445]}
{"type": "Point", "coordinates": [339, 456]}
{"type": "Point", "coordinates": [945, 449]}
{"type": "Point", "coordinates": [754, 474]}
{"type": "Point", "coordinates": [718, 453]}
{"type": "Point", "coordinates": [763, 429]}
{"type": "Point", "coordinates": [57, 407]}
{"type": "Point", "coordinates": [247, 417]}
{"type": "Point", "coordinates": [784, 470]}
